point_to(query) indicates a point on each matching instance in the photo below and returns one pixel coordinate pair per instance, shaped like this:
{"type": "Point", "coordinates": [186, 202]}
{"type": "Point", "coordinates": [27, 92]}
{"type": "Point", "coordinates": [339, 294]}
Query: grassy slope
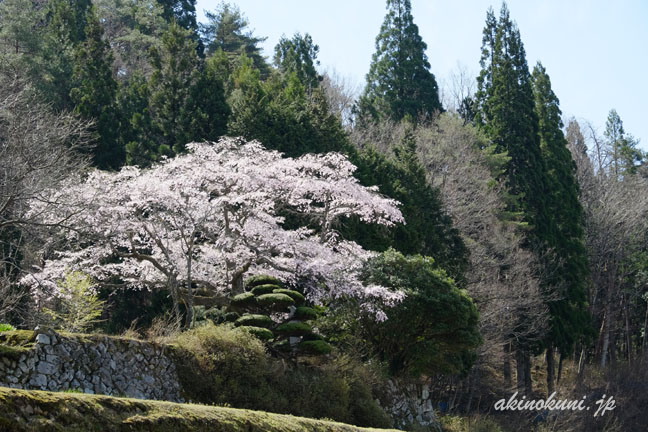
{"type": "Point", "coordinates": [23, 410]}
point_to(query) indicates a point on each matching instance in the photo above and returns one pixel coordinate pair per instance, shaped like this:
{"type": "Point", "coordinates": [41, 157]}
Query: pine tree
{"type": "Point", "coordinates": [174, 67]}
{"type": "Point", "coordinates": [94, 94]}
{"type": "Point", "coordinates": [567, 280]}
{"type": "Point", "coordinates": [505, 111]}
{"type": "Point", "coordinates": [183, 13]}
{"type": "Point", "coordinates": [298, 55]}
{"type": "Point", "coordinates": [225, 30]}
{"type": "Point", "coordinates": [399, 82]}
{"type": "Point", "coordinates": [623, 148]}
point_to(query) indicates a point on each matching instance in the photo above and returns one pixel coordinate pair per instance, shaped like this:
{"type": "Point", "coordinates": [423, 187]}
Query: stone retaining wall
{"type": "Point", "coordinates": [93, 364]}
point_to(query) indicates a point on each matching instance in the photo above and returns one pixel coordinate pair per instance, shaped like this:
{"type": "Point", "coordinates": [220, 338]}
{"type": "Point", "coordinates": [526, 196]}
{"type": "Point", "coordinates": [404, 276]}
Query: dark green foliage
{"type": "Point", "coordinates": [298, 56]}
{"type": "Point", "coordinates": [231, 316]}
{"type": "Point", "coordinates": [94, 94]}
{"type": "Point", "coordinates": [260, 332]}
{"type": "Point", "coordinates": [305, 313]}
{"type": "Point", "coordinates": [295, 295]}
{"type": "Point", "coordinates": [625, 155]}
{"type": "Point", "coordinates": [294, 329]}
{"type": "Point", "coordinates": [316, 347]}
{"type": "Point", "coordinates": [128, 306]}
{"type": "Point", "coordinates": [136, 130]}
{"type": "Point", "coordinates": [279, 113]}
{"type": "Point", "coordinates": [262, 280]}
{"type": "Point", "coordinates": [505, 111]}
{"type": "Point", "coordinates": [174, 67]}
{"type": "Point", "coordinates": [312, 337]}
{"type": "Point", "coordinates": [275, 301]}
{"type": "Point", "coordinates": [225, 30]}
{"type": "Point", "coordinates": [433, 330]}
{"type": "Point", "coordinates": [428, 229]}
{"type": "Point", "coordinates": [399, 82]}
{"type": "Point", "coordinates": [255, 320]}
{"type": "Point", "coordinates": [183, 13]}
{"type": "Point", "coordinates": [215, 314]}
{"type": "Point", "coordinates": [264, 289]}
{"type": "Point", "coordinates": [243, 300]}
{"type": "Point", "coordinates": [567, 257]}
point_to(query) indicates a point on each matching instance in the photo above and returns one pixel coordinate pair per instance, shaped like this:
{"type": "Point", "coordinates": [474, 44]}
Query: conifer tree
{"type": "Point", "coordinates": [226, 30]}
{"type": "Point", "coordinates": [298, 55]}
{"type": "Point", "coordinates": [94, 93]}
{"type": "Point", "coordinates": [623, 147]}
{"type": "Point", "coordinates": [174, 67]}
{"type": "Point", "coordinates": [567, 279]}
{"type": "Point", "coordinates": [399, 82]}
{"type": "Point", "coordinates": [505, 111]}
{"type": "Point", "coordinates": [183, 13]}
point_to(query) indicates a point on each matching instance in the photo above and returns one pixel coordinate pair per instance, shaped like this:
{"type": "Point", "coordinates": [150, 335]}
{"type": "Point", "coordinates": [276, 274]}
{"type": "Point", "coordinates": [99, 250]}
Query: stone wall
{"type": "Point", "coordinates": [93, 364]}
{"type": "Point", "coordinates": [409, 404]}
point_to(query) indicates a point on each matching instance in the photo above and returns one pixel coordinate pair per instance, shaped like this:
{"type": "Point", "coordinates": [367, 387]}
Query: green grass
{"type": "Point", "coordinates": [23, 410]}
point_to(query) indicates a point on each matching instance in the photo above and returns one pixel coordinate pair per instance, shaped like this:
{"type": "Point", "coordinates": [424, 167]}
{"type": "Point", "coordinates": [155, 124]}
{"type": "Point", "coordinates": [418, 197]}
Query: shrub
{"type": "Point", "coordinates": [274, 301]}
{"type": "Point", "coordinates": [259, 332]}
{"type": "Point", "coordinates": [264, 289]}
{"type": "Point", "coordinates": [262, 280]}
{"type": "Point", "coordinates": [254, 320]}
{"type": "Point", "coordinates": [243, 300]}
{"type": "Point", "coordinates": [231, 316]}
{"type": "Point", "coordinates": [294, 329]}
{"type": "Point", "coordinates": [305, 313]}
{"type": "Point", "coordinates": [80, 306]}
{"type": "Point", "coordinates": [295, 295]}
{"type": "Point", "coordinates": [6, 327]}
{"type": "Point", "coordinates": [316, 347]}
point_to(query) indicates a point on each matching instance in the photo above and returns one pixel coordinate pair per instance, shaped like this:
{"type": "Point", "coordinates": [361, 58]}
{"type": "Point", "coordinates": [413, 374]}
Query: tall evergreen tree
{"type": "Point", "coordinates": [94, 93]}
{"type": "Point", "coordinates": [298, 55]}
{"type": "Point", "coordinates": [505, 111]}
{"type": "Point", "coordinates": [183, 13]}
{"type": "Point", "coordinates": [399, 82]}
{"type": "Point", "coordinates": [174, 67]}
{"type": "Point", "coordinates": [625, 156]}
{"type": "Point", "coordinates": [226, 30]}
{"type": "Point", "coordinates": [567, 259]}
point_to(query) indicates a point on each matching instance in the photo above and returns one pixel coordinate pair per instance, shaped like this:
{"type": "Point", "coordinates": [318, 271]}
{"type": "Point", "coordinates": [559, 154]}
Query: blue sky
{"type": "Point", "coordinates": [596, 52]}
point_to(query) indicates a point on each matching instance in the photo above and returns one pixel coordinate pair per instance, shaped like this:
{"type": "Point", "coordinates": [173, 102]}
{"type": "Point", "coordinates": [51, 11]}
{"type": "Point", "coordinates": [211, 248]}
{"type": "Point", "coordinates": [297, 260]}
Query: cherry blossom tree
{"type": "Point", "coordinates": [206, 218]}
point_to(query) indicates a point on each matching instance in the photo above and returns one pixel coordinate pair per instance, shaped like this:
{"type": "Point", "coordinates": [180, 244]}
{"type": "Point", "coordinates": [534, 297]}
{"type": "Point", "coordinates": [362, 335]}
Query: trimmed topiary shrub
{"type": "Point", "coordinates": [259, 332]}
{"type": "Point", "coordinates": [295, 295]}
{"type": "Point", "coordinates": [312, 336]}
{"type": "Point", "coordinates": [315, 347]}
{"type": "Point", "coordinates": [264, 289]}
{"type": "Point", "coordinates": [294, 329]}
{"type": "Point", "coordinates": [243, 300]}
{"type": "Point", "coordinates": [231, 316]}
{"type": "Point", "coordinates": [262, 280]}
{"type": "Point", "coordinates": [215, 315]}
{"type": "Point", "coordinates": [275, 301]}
{"type": "Point", "coordinates": [305, 313]}
{"type": "Point", "coordinates": [255, 320]}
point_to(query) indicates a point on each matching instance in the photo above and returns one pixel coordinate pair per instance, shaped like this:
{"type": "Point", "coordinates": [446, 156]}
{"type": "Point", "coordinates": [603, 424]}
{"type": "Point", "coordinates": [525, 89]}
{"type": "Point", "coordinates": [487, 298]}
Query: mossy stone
{"type": "Point", "coordinates": [295, 295]}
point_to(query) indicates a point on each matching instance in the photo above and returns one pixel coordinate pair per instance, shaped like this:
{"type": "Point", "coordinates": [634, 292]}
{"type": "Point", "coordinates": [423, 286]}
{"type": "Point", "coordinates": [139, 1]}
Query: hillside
{"type": "Point", "coordinates": [22, 410]}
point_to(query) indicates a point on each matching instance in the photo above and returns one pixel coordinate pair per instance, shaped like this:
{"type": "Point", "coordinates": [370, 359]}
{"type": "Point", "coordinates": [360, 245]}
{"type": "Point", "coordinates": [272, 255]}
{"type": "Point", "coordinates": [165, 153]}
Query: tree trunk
{"type": "Point", "coordinates": [507, 361]}
{"type": "Point", "coordinates": [643, 343]}
{"type": "Point", "coordinates": [528, 384]}
{"type": "Point", "coordinates": [519, 364]}
{"type": "Point", "coordinates": [627, 329]}
{"type": "Point", "coordinates": [605, 329]}
{"type": "Point", "coordinates": [190, 299]}
{"type": "Point", "coordinates": [560, 363]}
{"type": "Point", "coordinates": [550, 369]}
